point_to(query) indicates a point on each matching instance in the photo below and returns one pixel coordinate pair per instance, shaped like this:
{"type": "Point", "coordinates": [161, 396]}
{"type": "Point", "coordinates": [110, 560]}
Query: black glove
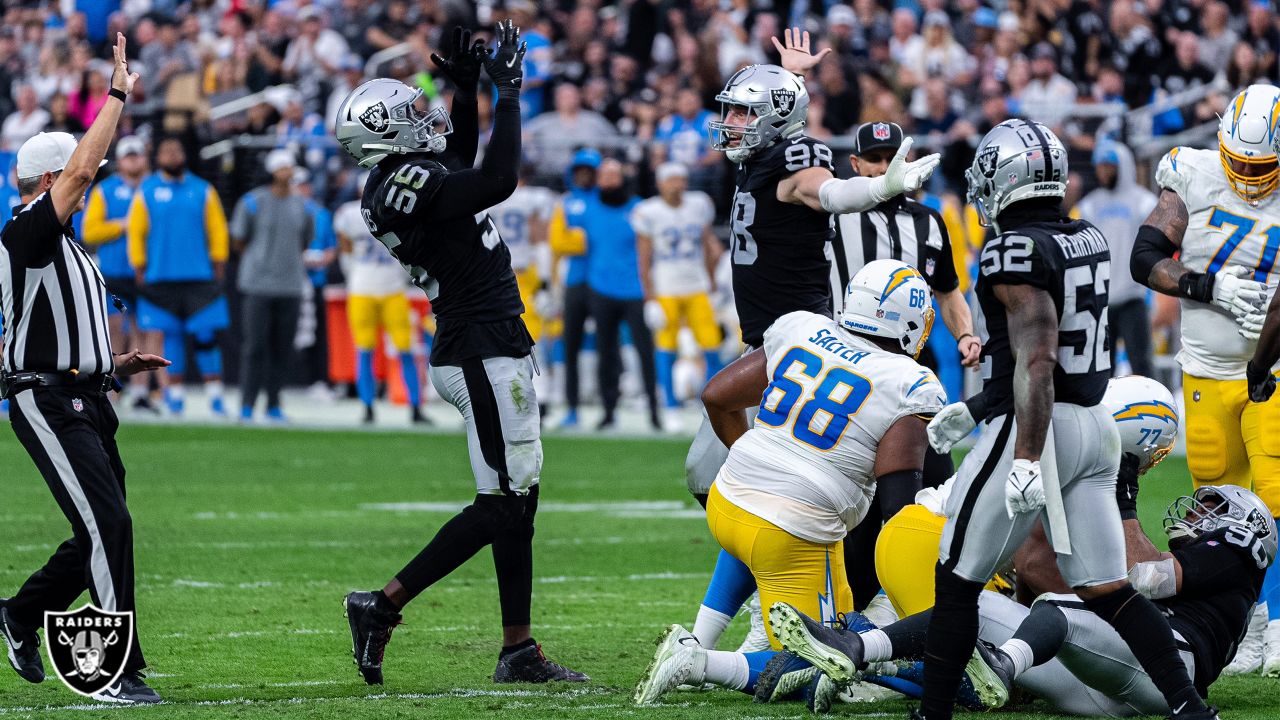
{"type": "Point", "coordinates": [505, 64]}
{"type": "Point", "coordinates": [1127, 487]}
{"type": "Point", "coordinates": [463, 64]}
{"type": "Point", "coordinates": [1261, 383]}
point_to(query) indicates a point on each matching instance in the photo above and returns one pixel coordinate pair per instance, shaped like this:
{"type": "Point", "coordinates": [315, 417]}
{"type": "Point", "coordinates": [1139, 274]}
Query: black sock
{"type": "Point", "coordinates": [1146, 630]}
{"type": "Point", "coordinates": [513, 559]}
{"type": "Point", "coordinates": [383, 602]}
{"type": "Point", "coordinates": [1044, 631]}
{"type": "Point", "coordinates": [909, 635]}
{"type": "Point", "coordinates": [455, 543]}
{"type": "Point", "coordinates": [512, 649]}
{"type": "Point", "coordinates": [953, 633]}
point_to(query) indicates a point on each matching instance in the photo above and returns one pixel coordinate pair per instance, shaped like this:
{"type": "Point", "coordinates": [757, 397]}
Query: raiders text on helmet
{"type": "Point", "coordinates": [1016, 160]}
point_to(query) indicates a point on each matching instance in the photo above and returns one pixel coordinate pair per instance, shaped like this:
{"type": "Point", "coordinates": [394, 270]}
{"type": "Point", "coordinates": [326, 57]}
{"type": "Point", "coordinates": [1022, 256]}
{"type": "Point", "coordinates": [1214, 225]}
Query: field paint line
{"type": "Point", "coordinates": [297, 683]}
{"type": "Point", "coordinates": [237, 634]}
{"type": "Point", "coordinates": [664, 508]}
{"type": "Point", "coordinates": [641, 577]}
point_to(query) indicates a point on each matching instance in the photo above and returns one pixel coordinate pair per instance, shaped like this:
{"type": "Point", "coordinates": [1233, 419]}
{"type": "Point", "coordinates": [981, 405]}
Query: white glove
{"type": "Point", "coordinates": [1238, 296]}
{"type": "Point", "coordinates": [544, 303]}
{"type": "Point", "coordinates": [903, 176]}
{"type": "Point", "coordinates": [1251, 324]}
{"type": "Point", "coordinates": [654, 316]}
{"type": "Point", "coordinates": [952, 424]}
{"type": "Point", "coordinates": [1024, 489]}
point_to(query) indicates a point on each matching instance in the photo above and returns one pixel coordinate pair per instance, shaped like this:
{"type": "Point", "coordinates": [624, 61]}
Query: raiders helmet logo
{"type": "Point", "coordinates": [880, 131]}
{"type": "Point", "coordinates": [987, 161]}
{"type": "Point", "coordinates": [88, 647]}
{"type": "Point", "coordinates": [376, 118]}
{"type": "Point", "coordinates": [783, 100]}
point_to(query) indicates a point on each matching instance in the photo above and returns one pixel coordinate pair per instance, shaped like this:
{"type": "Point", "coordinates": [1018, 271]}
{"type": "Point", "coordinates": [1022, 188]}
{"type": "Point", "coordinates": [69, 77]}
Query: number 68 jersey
{"type": "Point", "coordinates": [1222, 230]}
{"type": "Point", "coordinates": [807, 465]}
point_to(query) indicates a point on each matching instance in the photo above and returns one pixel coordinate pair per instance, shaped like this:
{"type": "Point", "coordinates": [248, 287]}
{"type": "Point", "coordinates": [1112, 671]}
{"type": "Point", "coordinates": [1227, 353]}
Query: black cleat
{"type": "Point", "coordinates": [991, 672]}
{"type": "Point", "coordinates": [529, 665]}
{"type": "Point", "coordinates": [369, 419]}
{"type": "Point", "coordinates": [23, 646]}
{"type": "Point", "coordinates": [836, 652]}
{"type": "Point", "coordinates": [129, 690]}
{"type": "Point", "coordinates": [371, 625]}
{"type": "Point", "coordinates": [1209, 713]}
{"type": "Point", "coordinates": [417, 417]}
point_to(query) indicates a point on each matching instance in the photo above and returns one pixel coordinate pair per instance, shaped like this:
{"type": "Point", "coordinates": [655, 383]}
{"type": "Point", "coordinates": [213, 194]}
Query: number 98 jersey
{"type": "Point", "coordinates": [779, 249]}
{"type": "Point", "coordinates": [807, 465]}
{"type": "Point", "coordinates": [1070, 260]}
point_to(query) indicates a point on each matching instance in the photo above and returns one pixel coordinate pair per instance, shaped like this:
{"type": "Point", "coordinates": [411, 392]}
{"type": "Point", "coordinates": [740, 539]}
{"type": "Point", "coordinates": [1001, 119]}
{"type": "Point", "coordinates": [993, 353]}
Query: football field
{"type": "Point", "coordinates": [247, 540]}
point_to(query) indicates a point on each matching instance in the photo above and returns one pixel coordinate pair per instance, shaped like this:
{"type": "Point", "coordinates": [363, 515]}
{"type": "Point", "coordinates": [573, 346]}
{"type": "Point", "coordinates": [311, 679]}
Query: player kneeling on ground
{"type": "Point", "coordinates": [842, 419]}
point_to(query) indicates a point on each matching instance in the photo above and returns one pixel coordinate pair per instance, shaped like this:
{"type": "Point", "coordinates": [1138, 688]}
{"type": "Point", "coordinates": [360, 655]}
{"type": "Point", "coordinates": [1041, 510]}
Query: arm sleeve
{"type": "Point", "coordinates": [215, 224]}
{"type": "Point", "coordinates": [97, 228]}
{"type": "Point", "coordinates": [139, 225]}
{"type": "Point", "coordinates": [468, 192]}
{"type": "Point", "coordinates": [466, 127]}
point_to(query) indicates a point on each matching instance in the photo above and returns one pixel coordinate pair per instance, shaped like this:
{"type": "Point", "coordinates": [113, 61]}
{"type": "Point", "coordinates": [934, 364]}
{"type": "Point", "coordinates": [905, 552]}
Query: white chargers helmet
{"type": "Point", "coordinates": [889, 299]}
{"type": "Point", "coordinates": [384, 117]}
{"type": "Point", "coordinates": [1247, 134]}
{"type": "Point", "coordinates": [1016, 160]}
{"type": "Point", "coordinates": [1217, 506]}
{"type": "Point", "coordinates": [778, 103]}
{"type": "Point", "coordinates": [1145, 416]}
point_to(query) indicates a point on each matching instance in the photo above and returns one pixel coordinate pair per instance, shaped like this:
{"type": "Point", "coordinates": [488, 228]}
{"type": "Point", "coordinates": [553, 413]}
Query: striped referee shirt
{"type": "Point", "coordinates": [897, 229]}
{"type": "Point", "coordinates": [53, 299]}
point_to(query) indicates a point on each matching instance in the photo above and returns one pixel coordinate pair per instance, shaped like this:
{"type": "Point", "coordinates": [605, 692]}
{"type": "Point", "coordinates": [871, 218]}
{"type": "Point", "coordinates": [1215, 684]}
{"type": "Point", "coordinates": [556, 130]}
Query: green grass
{"type": "Point", "coordinates": [248, 539]}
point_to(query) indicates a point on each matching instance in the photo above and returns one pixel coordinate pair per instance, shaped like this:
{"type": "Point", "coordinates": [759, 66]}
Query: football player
{"type": "Point", "coordinates": [1219, 212]}
{"type": "Point", "coordinates": [377, 299]}
{"type": "Point", "coordinates": [842, 420]}
{"type": "Point", "coordinates": [522, 219]}
{"type": "Point", "coordinates": [427, 204]}
{"type": "Point", "coordinates": [677, 254]}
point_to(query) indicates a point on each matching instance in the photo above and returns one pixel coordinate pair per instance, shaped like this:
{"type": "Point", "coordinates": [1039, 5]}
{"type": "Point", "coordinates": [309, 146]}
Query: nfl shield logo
{"type": "Point", "coordinates": [376, 118]}
{"type": "Point", "coordinates": [783, 100]}
{"type": "Point", "coordinates": [880, 131]}
{"type": "Point", "coordinates": [88, 647]}
{"type": "Point", "coordinates": [929, 265]}
{"type": "Point", "coordinates": [1013, 178]}
{"type": "Point", "coordinates": [77, 404]}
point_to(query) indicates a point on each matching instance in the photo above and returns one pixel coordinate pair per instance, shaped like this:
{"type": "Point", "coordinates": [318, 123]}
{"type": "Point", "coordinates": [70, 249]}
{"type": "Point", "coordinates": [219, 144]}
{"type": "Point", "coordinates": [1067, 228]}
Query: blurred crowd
{"type": "Point", "coordinates": [228, 82]}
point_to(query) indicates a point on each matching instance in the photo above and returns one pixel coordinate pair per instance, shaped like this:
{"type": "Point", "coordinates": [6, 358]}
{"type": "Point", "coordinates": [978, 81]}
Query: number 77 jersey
{"type": "Point", "coordinates": [1222, 230]}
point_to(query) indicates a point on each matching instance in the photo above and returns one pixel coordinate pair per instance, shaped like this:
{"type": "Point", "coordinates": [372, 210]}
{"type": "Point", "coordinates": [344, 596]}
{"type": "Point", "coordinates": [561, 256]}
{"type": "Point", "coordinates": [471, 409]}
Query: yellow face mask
{"type": "Point", "coordinates": [924, 336]}
{"type": "Point", "coordinates": [1250, 188]}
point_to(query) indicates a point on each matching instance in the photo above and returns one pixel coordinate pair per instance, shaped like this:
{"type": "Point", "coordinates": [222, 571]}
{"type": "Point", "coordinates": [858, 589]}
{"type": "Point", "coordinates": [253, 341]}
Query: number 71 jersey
{"type": "Point", "coordinates": [1222, 230]}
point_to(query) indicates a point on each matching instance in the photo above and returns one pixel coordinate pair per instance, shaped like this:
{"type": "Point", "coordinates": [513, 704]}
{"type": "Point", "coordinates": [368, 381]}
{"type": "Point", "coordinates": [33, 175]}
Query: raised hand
{"type": "Point", "coordinates": [463, 64]}
{"type": "Point", "coordinates": [121, 78]}
{"type": "Point", "coordinates": [795, 54]}
{"type": "Point", "coordinates": [505, 64]}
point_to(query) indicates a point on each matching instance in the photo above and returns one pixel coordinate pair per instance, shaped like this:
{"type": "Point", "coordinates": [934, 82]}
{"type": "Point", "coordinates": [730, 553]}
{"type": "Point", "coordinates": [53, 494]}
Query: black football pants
{"type": "Point", "coordinates": [609, 314]}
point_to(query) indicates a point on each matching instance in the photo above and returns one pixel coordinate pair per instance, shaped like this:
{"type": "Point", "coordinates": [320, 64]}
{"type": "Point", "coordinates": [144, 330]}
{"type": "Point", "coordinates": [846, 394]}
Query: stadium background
{"type": "Point", "coordinates": [247, 539]}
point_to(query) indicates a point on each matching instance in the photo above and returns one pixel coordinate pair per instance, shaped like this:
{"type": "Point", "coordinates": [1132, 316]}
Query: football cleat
{"type": "Point", "coordinates": [836, 652]}
{"type": "Point", "coordinates": [529, 665]}
{"type": "Point", "coordinates": [23, 646]}
{"type": "Point", "coordinates": [991, 672]}
{"type": "Point", "coordinates": [1209, 713]}
{"type": "Point", "coordinates": [129, 690]}
{"type": "Point", "coordinates": [217, 407]}
{"type": "Point", "coordinates": [417, 417]}
{"type": "Point", "coordinates": [784, 674]}
{"type": "Point", "coordinates": [821, 693]}
{"type": "Point", "coordinates": [673, 663]}
{"type": "Point", "coordinates": [369, 417]}
{"type": "Point", "coordinates": [1271, 649]}
{"type": "Point", "coordinates": [371, 625]}
{"type": "Point", "coordinates": [1249, 654]}
{"type": "Point", "coordinates": [757, 639]}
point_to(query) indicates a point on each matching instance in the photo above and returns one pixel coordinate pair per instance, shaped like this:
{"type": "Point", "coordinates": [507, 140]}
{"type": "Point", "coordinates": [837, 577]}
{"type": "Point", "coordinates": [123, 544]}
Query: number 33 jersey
{"type": "Point", "coordinates": [807, 465]}
{"type": "Point", "coordinates": [1222, 230]}
{"type": "Point", "coordinates": [1070, 260]}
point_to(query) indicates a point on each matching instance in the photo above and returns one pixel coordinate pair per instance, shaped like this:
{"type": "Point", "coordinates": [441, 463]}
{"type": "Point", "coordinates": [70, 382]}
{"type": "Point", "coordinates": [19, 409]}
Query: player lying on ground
{"type": "Point", "coordinates": [842, 419]}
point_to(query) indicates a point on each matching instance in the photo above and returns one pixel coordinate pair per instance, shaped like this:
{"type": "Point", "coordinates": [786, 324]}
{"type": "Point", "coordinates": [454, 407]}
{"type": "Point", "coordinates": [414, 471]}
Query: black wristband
{"type": "Point", "coordinates": [1196, 286]}
{"type": "Point", "coordinates": [1127, 487]}
{"type": "Point", "coordinates": [118, 94]}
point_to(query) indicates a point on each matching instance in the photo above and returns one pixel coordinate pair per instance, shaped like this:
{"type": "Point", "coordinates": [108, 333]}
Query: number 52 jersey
{"type": "Point", "coordinates": [807, 465]}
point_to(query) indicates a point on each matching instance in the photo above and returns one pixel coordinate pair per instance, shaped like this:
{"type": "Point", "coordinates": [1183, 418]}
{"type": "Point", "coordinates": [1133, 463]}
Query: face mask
{"type": "Point", "coordinates": [614, 197]}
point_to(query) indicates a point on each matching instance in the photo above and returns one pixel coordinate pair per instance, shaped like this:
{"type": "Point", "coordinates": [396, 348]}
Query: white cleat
{"type": "Point", "coordinates": [1271, 649]}
{"type": "Point", "coordinates": [1248, 657]}
{"type": "Point", "coordinates": [757, 640]}
{"type": "Point", "coordinates": [676, 659]}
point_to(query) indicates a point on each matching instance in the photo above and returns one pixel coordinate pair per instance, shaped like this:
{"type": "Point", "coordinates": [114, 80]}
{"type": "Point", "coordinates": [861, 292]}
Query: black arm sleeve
{"type": "Point", "coordinates": [897, 490]}
{"type": "Point", "coordinates": [468, 192]}
{"type": "Point", "coordinates": [1151, 246]}
{"type": "Point", "coordinates": [466, 128]}
{"type": "Point", "coordinates": [978, 406]}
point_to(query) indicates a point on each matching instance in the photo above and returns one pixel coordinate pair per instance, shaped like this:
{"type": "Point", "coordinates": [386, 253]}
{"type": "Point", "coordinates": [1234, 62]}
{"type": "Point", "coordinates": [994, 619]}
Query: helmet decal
{"type": "Point", "coordinates": [783, 100]}
{"type": "Point", "coordinates": [376, 118]}
{"type": "Point", "coordinates": [1152, 409]}
{"type": "Point", "coordinates": [897, 280]}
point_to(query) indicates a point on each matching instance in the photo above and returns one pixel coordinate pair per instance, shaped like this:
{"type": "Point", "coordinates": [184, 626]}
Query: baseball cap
{"type": "Point", "coordinates": [279, 159]}
{"type": "Point", "coordinates": [309, 12]}
{"type": "Point", "coordinates": [1106, 154]}
{"type": "Point", "coordinates": [877, 135]}
{"type": "Point", "coordinates": [1044, 51]}
{"type": "Point", "coordinates": [668, 170]}
{"type": "Point", "coordinates": [46, 152]}
{"type": "Point", "coordinates": [936, 18]}
{"type": "Point", "coordinates": [985, 17]}
{"type": "Point", "coordinates": [131, 145]}
{"type": "Point", "coordinates": [841, 15]}
{"type": "Point", "coordinates": [301, 176]}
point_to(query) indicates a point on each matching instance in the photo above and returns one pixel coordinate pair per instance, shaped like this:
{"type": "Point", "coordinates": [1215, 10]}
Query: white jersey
{"type": "Point", "coordinates": [807, 465]}
{"type": "Point", "coordinates": [1222, 230]}
{"type": "Point", "coordinates": [679, 262]}
{"type": "Point", "coordinates": [515, 217]}
{"type": "Point", "coordinates": [373, 271]}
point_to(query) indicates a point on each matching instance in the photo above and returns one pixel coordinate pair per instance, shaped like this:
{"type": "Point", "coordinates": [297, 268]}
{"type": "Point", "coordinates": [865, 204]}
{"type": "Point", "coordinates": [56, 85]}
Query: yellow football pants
{"type": "Point", "coordinates": [529, 281]}
{"type": "Point", "coordinates": [787, 569]}
{"type": "Point", "coordinates": [390, 312]}
{"type": "Point", "coordinates": [1231, 440]}
{"type": "Point", "coordinates": [694, 311]}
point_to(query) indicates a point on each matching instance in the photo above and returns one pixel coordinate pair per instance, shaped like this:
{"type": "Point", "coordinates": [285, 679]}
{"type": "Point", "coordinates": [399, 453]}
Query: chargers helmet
{"type": "Point", "coordinates": [1247, 133]}
{"type": "Point", "coordinates": [1145, 416]}
{"type": "Point", "coordinates": [779, 104]}
{"type": "Point", "coordinates": [890, 299]}
{"type": "Point", "coordinates": [1190, 516]}
{"type": "Point", "coordinates": [381, 118]}
{"type": "Point", "coordinates": [1016, 160]}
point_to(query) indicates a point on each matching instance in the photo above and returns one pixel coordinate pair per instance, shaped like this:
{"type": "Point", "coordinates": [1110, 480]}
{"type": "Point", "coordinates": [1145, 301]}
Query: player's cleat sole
{"type": "Point", "coordinates": [371, 627]}
{"type": "Point", "coordinates": [671, 666]}
{"type": "Point", "coordinates": [23, 648]}
{"type": "Point", "coordinates": [834, 652]}
{"type": "Point", "coordinates": [990, 675]}
{"type": "Point", "coordinates": [529, 665]}
{"type": "Point", "coordinates": [785, 673]}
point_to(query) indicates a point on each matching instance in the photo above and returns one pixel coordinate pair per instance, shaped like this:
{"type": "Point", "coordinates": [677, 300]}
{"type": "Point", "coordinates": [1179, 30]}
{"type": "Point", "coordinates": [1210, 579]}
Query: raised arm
{"type": "Point", "coordinates": [816, 188]}
{"type": "Point", "coordinates": [795, 55]}
{"type": "Point", "coordinates": [462, 67]}
{"type": "Point", "coordinates": [734, 389]}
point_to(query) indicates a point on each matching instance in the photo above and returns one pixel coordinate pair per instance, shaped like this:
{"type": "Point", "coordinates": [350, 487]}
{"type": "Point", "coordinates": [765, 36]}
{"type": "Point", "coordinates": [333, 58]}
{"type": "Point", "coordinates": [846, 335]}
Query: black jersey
{"type": "Point", "coordinates": [1070, 260]}
{"type": "Point", "coordinates": [1222, 574]}
{"type": "Point", "coordinates": [460, 261]}
{"type": "Point", "coordinates": [780, 262]}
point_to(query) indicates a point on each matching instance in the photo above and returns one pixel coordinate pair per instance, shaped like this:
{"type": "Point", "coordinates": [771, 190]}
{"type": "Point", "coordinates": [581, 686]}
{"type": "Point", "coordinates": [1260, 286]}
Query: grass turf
{"type": "Point", "coordinates": [248, 539]}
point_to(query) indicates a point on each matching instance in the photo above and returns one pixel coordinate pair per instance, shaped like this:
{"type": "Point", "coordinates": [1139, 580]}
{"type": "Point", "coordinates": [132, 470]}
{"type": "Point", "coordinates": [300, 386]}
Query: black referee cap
{"type": "Point", "coordinates": [877, 136]}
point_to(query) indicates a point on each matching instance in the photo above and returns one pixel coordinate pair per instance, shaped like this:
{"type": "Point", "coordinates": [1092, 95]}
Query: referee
{"type": "Point", "coordinates": [901, 229]}
{"type": "Point", "coordinates": [57, 368]}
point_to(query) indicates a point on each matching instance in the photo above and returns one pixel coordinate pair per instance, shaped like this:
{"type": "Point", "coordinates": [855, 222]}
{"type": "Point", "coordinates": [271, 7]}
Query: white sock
{"type": "Point", "coordinates": [726, 669]}
{"type": "Point", "coordinates": [880, 611]}
{"type": "Point", "coordinates": [709, 626]}
{"type": "Point", "coordinates": [213, 388]}
{"type": "Point", "coordinates": [1020, 652]}
{"type": "Point", "coordinates": [876, 646]}
{"type": "Point", "coordinates": [176, 391]}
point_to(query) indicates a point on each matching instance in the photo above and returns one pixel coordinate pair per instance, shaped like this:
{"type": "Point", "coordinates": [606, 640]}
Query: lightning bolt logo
{"type": "Point", "coordinates": [827, 602]}
{"type": "Point", "coordinates": [897, 280]}
{"type": "Point", "coordinates": [1151, 409]}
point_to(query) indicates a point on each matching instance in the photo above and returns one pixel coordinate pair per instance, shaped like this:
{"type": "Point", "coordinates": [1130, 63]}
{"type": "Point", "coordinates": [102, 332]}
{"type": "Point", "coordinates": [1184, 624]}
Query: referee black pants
{"type": "Point", "coordinates": [609, 314]}
{"type": "Point", "coordinates": [70, 434]}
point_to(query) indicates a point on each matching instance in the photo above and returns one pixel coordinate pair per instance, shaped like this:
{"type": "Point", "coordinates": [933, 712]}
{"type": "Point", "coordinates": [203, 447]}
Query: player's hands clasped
{"type": "Point", "coordinates": [121, 78]}
{"type": "Point", "coordinates": [505, 64]}
{"type": "Point", "coordinates": [952, 424]}
{"type": "Point", "coordinates": [1024, 489]}
{"type": "Point", "coordinates": [903, 176]}
{"type": "Point", "coordinates": [463, 64]}
{"type": "Point", "coordinates": [1236, 294]}
{"type": "Point", "coordinates": [1262, 383]}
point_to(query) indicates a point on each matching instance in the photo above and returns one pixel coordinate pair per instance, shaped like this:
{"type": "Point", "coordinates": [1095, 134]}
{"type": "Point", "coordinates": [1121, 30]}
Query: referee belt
{"type": "Point", "coordinates": [13, 383]}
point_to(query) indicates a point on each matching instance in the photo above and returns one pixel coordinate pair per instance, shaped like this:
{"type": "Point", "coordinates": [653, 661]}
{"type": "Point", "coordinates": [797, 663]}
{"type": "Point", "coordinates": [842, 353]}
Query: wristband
{"type": "Point", "coordinates": [117, 94]}
{"type": "Point", "coordinates": [1196, 286]}
{"type": "Point", "coordinates": [965, 335]}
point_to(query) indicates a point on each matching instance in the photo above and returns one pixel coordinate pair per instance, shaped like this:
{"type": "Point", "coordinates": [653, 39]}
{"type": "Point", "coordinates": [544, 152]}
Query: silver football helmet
{"type": "Point", "coordinates": [382, 117]}
{"type": "Point", "coordinates": [1016, 160]}
{"type": "Point", "coordinates": [1190, 516]}
{"type": "Point", "coordinates": [778, 104]}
